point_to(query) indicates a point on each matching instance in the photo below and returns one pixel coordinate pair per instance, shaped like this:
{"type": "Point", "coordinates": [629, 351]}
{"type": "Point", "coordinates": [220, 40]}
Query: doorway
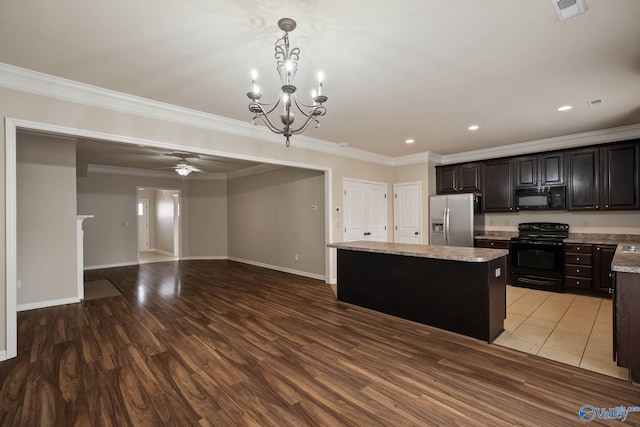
{"type": "Point", "coordinates": [158, 224]}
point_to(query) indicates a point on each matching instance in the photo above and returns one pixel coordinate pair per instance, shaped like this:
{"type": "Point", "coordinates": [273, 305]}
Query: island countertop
{"type": "Point", "coordinates": [452, 253]}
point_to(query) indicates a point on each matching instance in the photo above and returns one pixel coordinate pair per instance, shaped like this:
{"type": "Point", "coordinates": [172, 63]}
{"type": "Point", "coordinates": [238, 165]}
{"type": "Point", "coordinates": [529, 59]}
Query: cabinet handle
{"type": "Point", "coordinates": [577, 258]}
{"type": "Point", "coordinates": [597, 249]}
{"type": "Point", "coordinates": [611, 291]}
{"type": "Point", "coordinates": [611, 275]}
{"type": "Point", "coordinates": [577, 270]}
{"type": "Point", "coordinates": [577, 282]}
{"type": "Point", "coordinates": [606, 206]}
{"type": "Point", "coordinates": [578, 247]}
{"type": "Point", "coordinates": [491, 243]}
{"type": "Point", "coordinates": [597, 206]}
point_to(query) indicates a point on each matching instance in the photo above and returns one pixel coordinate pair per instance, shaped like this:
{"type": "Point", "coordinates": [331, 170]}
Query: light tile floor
{"type": "Point", "coordinates": [99, 289]}
{"type": "Point", "coordinates": [153, 256]}
{"type": "Point", "coordinates": [572, 329]}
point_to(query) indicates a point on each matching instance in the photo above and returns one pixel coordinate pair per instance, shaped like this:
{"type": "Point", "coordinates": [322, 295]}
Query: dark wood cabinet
{"type": "Point", "coordinates": [583, 191]}
{"type": "Point", "coordinates": [604, 178]}
{"type": "Point", "coordinates": [587, 268]}
{"type": "Point", "coordinates": [597, 178]}
{"type": "Point", "coordinates": [446, 179]}
{"type": "Point", "coordinates": [498, 244]}
{"type": "Point", "coordinates": [620, 187]}
{"type": "Point", "coordinates": [497, 185]}
{"type": "Point", "coordinates": [539, 170]}
{"type": "Point", "coordinates": [578, 270]}
{"type": "Point", "coordinates": [462, 178]}
{"type": "Point", "coordinates": [602, 275]}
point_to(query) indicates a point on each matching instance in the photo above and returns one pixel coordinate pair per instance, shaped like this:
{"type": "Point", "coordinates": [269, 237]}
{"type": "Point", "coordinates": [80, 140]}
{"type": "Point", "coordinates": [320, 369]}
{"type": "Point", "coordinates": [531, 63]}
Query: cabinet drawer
{"type": "Point", "coordinates": [577, 248]}
{"type": "Point", "coordinates": [495, 244]}
{"type": "Point", "coordinates": [577, 283]}
{"type": "Point", "coordinates": [578, 270]}
{"type": "Point", "coordinates": [579, 259]}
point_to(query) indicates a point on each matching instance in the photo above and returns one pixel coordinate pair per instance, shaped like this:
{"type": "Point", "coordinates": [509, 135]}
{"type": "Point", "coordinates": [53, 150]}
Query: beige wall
{"type": "Point", "coordinates": [46, 211]}
{"type": "Point", "coordinates": [208, 218]}
{"type": "Point", "coordinates": [111, 237]}
{"type": "Point", "coordinates": [579, 222]}
{"type": "Point", "coordinates": [271, 219]}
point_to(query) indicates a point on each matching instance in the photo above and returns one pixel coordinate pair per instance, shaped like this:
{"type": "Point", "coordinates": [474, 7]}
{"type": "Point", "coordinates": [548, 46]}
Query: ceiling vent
{"type": "Point", "coordinates": [566, 9]}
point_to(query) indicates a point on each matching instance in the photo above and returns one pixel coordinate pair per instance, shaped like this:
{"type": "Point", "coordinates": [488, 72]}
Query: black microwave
{"type": "Point", "coordinates": [540, 198]}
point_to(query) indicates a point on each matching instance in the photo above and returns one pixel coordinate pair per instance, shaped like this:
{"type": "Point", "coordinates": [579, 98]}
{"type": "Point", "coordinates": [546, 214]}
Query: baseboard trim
{"type": "Point", "coordinates": [278, 268]}
{"type": "Point", "coordinates": [3, 356]}
{"type": "Point", "coordinates": [120, 264]}
{"type": "Point", "coordinates": [188, 258]}
{"type": "Point", "coordinates": [45, 304]}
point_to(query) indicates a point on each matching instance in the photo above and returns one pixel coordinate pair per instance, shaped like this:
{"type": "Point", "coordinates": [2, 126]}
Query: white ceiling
{"type": "Point", "coordinates": [421, 69]}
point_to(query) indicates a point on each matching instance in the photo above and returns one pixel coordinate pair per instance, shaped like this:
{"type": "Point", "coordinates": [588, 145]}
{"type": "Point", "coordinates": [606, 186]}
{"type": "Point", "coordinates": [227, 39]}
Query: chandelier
{"type": "Point", "coordinates": [287, 65]}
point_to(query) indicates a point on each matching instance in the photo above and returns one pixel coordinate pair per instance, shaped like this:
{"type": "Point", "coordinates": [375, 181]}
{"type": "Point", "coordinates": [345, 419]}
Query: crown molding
{"type": "Point", "coordinates": [120, 170]}
{"type": "Point", "coordinates": [25, 80]}
{"type": "Point", "coordinates": [253, 170]}
{"type": "Point", "coordinates": [37, 83]}
{"type": "Point", "coordinates": [601, 136]}
{"type": "Point", "coordinates": [424, 157]}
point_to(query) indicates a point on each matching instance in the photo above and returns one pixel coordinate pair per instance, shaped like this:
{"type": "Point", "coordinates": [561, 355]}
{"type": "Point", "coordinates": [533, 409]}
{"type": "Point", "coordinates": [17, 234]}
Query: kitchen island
{"type": "Point", "coordinates": [457, 289]}
{"type": "Point", "coordinates": [626, 315]}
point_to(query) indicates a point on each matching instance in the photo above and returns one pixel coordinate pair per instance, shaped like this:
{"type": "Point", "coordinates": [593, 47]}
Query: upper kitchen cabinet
{"type": "Point", "coordinates": [620, 187]}
{"type": "Point", "coordinates": [462, 178]}
{"type": "Point", "coordinates": [497, 180]}
{"type": "Point", "coordinates": [604, 178]}
{"type": "Point", "coordinates": [539, 170]}
{"type": "Point", "coordinates": [584, 185]}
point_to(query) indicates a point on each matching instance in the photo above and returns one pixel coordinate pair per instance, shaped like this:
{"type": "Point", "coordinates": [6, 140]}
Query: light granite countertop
{"type": "Point", "coordinates": [626, 262]}
{"type": "Point", "coordinates": [452, 253]}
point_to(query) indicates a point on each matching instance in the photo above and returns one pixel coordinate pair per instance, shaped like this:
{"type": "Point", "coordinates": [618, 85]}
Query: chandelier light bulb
{"type": "Point", "coordinates": [287, 65]}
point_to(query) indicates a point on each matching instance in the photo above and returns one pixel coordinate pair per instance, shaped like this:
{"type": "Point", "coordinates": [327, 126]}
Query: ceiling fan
{"type": "Point", "coordinates": [183, 167]}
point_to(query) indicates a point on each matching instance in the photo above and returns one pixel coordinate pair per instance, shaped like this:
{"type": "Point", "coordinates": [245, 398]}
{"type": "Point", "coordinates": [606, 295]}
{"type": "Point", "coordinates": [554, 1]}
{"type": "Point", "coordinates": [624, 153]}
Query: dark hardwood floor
{"type": "Point", "coordinates": [222, 343]}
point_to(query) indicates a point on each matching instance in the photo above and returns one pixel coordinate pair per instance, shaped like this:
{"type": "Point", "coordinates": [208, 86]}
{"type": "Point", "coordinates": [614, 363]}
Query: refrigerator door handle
{"type": "Point", "coordinates": [446, 226]}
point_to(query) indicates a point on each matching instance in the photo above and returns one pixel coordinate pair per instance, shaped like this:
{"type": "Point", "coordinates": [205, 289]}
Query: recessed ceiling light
{"type": "Point", "coordinates": [473, 127]}
{"type": "Point", "coordinates": [409, 141]}
{"type": "Point", "coordinates": [565, 108]}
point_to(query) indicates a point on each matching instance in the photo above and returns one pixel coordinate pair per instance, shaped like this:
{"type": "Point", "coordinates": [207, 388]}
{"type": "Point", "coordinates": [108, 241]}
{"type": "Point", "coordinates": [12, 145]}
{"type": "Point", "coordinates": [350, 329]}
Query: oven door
{"type": "Point", "coordinates": [537, 264]}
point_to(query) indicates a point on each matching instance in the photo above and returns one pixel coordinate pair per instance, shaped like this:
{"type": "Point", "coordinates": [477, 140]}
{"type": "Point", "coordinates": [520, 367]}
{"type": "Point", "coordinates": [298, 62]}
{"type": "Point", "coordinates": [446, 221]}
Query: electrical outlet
{"type": "Point", "coordinates": [296, 257]}
{"type": "Point", "coordinates": [498, 272]}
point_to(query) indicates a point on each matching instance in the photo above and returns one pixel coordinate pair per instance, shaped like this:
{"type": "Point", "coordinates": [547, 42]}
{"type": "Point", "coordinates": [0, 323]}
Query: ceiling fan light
{"type": "Point", "coordinates": [183, 171]}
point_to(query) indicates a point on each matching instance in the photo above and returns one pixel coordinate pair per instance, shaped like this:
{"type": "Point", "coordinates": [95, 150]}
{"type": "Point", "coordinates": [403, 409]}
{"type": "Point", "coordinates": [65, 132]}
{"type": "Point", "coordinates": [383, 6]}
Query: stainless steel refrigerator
{"type": "Point", "coordinates": [454, 219]}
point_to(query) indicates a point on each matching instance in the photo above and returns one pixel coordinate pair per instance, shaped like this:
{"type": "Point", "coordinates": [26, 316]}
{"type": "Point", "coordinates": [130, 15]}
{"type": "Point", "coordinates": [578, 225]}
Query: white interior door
{"type": "Point", "coordinates": [143, 225]}
{"type": "Point", "coordinates": [354, 225]}
{"type": "Point", "coordinates": [365, 211]}
{"type": "Point", "coordinates": [407, 213]}
{"type": "Point", "coordinates": [376, 214]}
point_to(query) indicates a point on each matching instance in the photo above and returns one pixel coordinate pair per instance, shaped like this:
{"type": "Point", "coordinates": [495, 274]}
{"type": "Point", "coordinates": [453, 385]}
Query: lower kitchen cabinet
{"type": "Point", "coordinates": [587, 268]}
{"type": "Point", "coordinates": [578, 268]}
{"type": "Point", "coordinates": [602, 274]}
{"type": "Point", "coordinates": [498, 244]}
